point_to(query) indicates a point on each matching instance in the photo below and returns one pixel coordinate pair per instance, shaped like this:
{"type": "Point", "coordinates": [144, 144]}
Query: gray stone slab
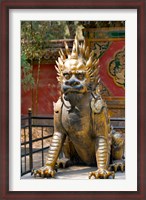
{"type": "Point", "coordinates": [75, 172]}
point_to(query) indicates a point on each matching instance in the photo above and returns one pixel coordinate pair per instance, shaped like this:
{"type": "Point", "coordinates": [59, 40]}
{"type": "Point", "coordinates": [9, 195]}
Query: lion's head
{"type": "Point", "coordinates": [77, 70]}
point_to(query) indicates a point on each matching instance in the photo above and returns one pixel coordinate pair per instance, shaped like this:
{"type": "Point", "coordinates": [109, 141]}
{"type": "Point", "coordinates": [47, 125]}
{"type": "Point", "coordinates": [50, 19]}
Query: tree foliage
{"type": "Point", "coordinates": [27, 78]}
{"type": "Point", "coordinates": [34, 39]}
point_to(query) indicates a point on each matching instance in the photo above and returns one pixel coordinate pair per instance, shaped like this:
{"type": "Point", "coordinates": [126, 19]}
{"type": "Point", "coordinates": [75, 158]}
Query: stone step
{"type": "Point", "coordinates": [75, 172]}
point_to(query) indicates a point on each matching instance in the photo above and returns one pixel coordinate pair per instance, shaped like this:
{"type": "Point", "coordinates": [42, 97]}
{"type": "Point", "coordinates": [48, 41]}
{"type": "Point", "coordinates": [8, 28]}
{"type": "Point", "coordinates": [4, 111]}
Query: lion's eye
{"type": "Point", "coordinates": [67, 76]}
{"type": "Point", "coordinates": [80, 76]}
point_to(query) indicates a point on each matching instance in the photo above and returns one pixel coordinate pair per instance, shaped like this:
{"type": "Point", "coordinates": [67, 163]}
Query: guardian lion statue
{"type": "Point", "coordinates": [82, 127]}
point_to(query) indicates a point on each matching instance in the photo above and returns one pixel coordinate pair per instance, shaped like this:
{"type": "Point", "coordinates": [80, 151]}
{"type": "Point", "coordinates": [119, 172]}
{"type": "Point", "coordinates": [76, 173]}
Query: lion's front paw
{"type": "Point", "coordinates": [44, 172]}
{"type": "Point", "coordinates": [118, 165]}
{"type": "Point", "coordinates": [101, 174]}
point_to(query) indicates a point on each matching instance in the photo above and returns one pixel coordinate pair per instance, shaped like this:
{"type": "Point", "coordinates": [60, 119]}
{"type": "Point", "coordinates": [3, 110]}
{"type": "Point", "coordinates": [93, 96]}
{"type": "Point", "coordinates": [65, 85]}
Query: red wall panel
{"type": "Point", "coordinates": [104, 61]}
{"type": "Point", "coordinates": [48, 91]}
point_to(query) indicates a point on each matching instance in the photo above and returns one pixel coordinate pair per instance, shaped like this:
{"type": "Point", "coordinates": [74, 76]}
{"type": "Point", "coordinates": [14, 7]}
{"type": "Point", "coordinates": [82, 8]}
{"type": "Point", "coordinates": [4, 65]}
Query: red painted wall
{"type": "Point", "coordinates": [48, 91]}
{"type": "Point", "coordinates": [104, 61]}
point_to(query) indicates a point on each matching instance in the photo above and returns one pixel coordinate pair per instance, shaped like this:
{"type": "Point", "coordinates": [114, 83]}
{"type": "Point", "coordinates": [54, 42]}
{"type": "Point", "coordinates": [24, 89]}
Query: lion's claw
{"type": "Point", "coordinates": [44, 172]}
{"type": "Point", "coordinates": [63, 162]}
{"type": "Point", "coordinates": [117, 165]}
{"type": "Point", "coordinates": [102, 174]}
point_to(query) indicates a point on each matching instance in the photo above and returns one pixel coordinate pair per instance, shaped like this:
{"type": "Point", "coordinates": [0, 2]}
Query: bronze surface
{"type": "Point", "coordinates": [81, 122]}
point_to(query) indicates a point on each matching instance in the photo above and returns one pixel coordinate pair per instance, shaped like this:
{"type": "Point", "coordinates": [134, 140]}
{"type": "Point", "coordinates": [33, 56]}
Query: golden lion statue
{"type": "Point", "coordinates": [81, 122]}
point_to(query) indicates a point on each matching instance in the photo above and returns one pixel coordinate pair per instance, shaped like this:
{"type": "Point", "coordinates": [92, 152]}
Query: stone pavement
{"type": "Point", "coordinates": [74, 172]}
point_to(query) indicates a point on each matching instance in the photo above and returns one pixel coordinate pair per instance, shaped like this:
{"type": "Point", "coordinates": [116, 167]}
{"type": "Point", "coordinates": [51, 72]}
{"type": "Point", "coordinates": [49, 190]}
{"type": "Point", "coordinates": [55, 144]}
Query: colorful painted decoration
{"type": "Point", "coordinates": [100, 47]}
{"type": "Point", "coordinates": [116, 68]}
